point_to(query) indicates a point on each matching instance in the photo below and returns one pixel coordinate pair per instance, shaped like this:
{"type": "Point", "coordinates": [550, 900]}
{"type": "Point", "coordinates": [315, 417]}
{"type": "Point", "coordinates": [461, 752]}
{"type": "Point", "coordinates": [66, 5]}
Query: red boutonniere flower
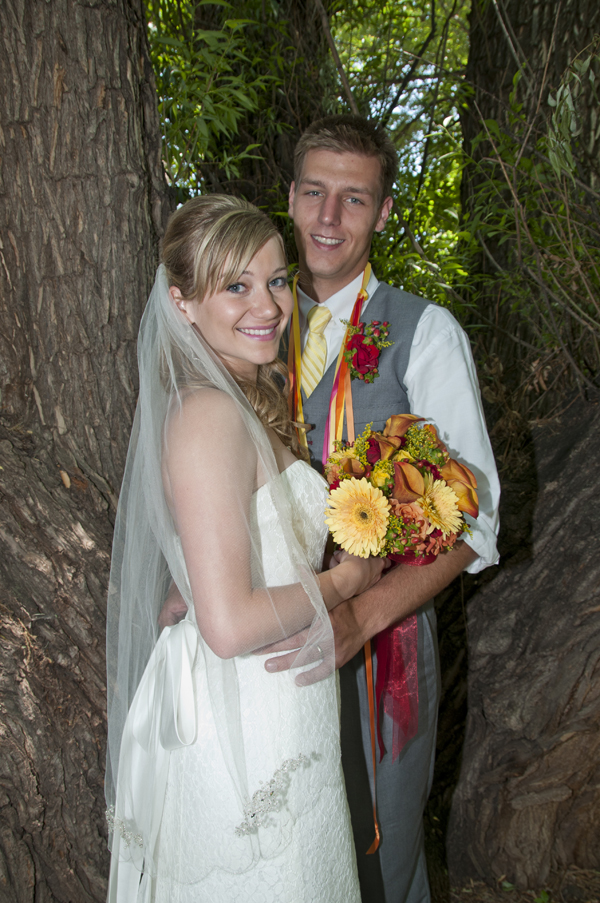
{"type": "Point", "coordinates": [363, 348]}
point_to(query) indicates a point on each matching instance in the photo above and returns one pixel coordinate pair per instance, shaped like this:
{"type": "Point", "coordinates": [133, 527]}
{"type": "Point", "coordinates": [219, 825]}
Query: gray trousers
{"type": "Point", "coordinates": [397, 872]}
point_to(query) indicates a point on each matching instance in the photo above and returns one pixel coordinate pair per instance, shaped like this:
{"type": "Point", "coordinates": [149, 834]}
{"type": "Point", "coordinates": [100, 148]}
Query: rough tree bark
{"type": "Point", "coordinates": [543, 37]}
{"type": "Point", "coordinates": [528, 799]}
{"type": "Point", "coordinates": [81, 186]}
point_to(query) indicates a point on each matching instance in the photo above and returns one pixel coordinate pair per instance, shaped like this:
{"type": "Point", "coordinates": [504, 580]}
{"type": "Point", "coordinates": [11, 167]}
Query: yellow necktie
{"type": "Point", "coordinates": [314, 356]}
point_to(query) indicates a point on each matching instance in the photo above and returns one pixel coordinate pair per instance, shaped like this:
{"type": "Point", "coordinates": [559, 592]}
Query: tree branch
{"type": "Point", "coordinates": [336, 57]}
{"type": "Point", "coordinates": [514, 54]}
{"type": "Point", "coordinates": [436, 90]}
{"type": "Point", "coordinates": [416, 60]}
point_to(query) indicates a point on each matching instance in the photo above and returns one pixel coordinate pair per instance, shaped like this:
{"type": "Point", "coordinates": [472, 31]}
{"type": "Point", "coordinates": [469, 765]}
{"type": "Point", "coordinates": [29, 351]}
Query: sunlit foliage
{"type": "Point", "coordinates": [406, 65]}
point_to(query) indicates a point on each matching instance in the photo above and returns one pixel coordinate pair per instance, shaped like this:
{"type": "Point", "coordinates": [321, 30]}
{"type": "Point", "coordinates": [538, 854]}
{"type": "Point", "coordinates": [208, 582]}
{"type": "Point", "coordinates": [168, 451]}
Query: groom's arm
{"type": "Point", "coordinates": [394, 598]}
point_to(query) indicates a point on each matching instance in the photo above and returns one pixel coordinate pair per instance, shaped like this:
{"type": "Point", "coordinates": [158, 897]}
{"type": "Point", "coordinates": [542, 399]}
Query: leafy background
{"type": "Point", "coordinates": [496, 217]}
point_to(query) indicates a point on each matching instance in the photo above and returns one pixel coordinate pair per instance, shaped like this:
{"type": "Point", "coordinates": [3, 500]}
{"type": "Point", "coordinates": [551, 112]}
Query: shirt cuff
{"type": "Point", "coordinates": [484, 542]}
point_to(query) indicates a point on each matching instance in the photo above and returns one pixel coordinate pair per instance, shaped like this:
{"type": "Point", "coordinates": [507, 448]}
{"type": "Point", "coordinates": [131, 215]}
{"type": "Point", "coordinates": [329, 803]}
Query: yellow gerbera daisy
{"type": "Point", "coordinates": [358, 517]}
{"type": "Point", "coordinates": [439, 504]}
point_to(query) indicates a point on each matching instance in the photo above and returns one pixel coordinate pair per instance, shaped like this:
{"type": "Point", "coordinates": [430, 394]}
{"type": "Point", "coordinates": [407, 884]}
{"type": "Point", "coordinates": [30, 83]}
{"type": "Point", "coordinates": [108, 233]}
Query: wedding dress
{"type": "Point", "coordinates": [223, 781]}
{"type": "Point", "coordinates": [291, 842]}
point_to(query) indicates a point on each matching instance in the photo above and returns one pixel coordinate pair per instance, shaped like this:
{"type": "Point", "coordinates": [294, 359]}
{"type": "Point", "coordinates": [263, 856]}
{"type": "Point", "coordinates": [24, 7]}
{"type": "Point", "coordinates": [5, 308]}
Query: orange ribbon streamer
{"type": "Point", "coordinates": [371, 691]}
{"type": "Point", "coordinates": [341, 391]}
{"type": "Point", "coordinates": [349, 406]}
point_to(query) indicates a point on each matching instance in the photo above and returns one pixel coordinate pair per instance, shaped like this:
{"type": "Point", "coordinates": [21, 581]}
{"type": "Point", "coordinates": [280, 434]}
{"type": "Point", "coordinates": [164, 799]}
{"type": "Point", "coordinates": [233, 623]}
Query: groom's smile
{"type": "Point", "coordinates": [328, 242]}
{"type": "Point", "coordinates": [336, 206]}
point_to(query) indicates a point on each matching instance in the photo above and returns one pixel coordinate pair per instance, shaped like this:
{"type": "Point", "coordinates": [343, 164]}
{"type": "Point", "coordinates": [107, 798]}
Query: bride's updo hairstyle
{"type": "Point", "coordinates": [208, 242]}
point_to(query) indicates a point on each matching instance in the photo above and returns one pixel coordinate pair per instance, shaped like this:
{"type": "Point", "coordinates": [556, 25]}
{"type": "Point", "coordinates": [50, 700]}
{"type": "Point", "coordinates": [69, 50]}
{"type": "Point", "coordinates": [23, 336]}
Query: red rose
{"type": "Point", "coordinates": [373, 453]}
{"type": "Point", "coordinates": [365, 357]}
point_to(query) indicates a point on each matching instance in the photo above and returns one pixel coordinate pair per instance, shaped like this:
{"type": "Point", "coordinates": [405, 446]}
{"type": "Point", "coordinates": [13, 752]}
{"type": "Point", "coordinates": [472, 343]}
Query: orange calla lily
{"type": "Point", "coordinates": [408, 483]}
{"type": "Point", "coordinates": [467, 497]}
{"type": "Point", "coordinates": [455, 471]}
{"type": "Point", "coordinates": [387, 445]}
{"type": "Point", "coordinates": [399, 424]}
{"type": "Point", "coordinates": [352, 466]}
{"type": "Point", "coordinates": [463, 482]}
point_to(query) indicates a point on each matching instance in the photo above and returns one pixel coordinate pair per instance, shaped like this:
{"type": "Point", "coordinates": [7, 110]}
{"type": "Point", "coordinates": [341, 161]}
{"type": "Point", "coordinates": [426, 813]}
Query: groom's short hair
{"type": "Point", "coordinates": [349, 134]}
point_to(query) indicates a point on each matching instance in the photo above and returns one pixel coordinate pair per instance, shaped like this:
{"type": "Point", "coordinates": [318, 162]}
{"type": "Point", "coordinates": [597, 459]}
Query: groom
{"type": "Point", "coordinates": [344, 171]}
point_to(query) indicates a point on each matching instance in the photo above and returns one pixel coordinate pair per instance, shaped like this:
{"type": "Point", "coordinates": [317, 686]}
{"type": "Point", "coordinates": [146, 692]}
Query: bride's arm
{"type": "Point", "coordinates": [209, 476]}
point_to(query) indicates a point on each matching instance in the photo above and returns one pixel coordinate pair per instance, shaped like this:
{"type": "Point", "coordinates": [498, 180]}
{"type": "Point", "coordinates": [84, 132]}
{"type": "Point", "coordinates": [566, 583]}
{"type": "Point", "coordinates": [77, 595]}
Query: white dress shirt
{"type": "Point", "coordinates": [442, 386]}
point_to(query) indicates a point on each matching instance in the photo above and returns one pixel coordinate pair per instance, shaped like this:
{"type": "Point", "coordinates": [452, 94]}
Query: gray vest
{"type": "Point", "coordinates": [372, 402]}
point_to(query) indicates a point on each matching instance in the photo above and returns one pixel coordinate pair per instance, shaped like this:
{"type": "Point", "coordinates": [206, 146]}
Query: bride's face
{"type": "Point", "coordinates": [243, 322]}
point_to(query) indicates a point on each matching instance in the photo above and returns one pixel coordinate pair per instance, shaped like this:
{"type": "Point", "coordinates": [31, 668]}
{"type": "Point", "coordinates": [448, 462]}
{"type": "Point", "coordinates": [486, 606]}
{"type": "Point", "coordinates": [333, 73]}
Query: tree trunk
{"type": "Point", "coordinates": [528, 799]}
{"type": "Point", "coordinates": [523, 256]}
{"type": "Point", "coordinates": [82, 187]}
{"type": "Point", "coordinates": [543, 37]}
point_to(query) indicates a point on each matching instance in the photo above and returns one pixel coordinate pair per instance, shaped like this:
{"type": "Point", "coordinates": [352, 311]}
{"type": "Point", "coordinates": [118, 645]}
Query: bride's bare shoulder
{"type": "Point", "coordinates": [203, 430]}
{"type": "Point", "coordinates": [205, 409]}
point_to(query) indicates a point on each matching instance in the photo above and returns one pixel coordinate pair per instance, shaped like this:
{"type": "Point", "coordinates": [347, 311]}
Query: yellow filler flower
{"type": "Point", "coordinates": [358, 517]}
{"type": "Point", "coordinates": [439, 504]}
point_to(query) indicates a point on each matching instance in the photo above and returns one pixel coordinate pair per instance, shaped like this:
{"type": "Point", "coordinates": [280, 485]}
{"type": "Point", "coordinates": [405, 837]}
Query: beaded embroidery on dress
{"type": "Point", "coordinates": [290, 841]}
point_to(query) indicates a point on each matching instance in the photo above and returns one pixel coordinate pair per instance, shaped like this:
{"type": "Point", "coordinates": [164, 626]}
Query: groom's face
{"type": "Point", "coordinates": [336, 206]}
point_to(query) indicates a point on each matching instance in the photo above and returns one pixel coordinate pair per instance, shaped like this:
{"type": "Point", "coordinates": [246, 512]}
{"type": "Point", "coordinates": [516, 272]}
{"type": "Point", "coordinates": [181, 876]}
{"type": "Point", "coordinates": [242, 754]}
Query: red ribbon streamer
{"type": "Point", "coordinates": [397, 684]}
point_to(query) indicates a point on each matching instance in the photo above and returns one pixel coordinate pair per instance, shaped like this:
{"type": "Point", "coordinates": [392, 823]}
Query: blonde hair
{"type": "Point", "coordinates": [208, 242]}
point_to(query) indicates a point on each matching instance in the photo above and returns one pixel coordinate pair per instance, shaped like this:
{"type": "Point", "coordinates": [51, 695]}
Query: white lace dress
{"type": "Point", "coordinates": [290, 840]}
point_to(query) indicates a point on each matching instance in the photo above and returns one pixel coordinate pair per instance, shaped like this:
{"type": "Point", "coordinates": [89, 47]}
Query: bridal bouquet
{"type": "Point", "coordinates": [398, 494]}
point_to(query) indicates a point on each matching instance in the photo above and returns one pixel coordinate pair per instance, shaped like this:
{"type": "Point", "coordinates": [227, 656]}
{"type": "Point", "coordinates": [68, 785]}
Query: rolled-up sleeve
{"type": "Point", "coordinates": [442, 386]}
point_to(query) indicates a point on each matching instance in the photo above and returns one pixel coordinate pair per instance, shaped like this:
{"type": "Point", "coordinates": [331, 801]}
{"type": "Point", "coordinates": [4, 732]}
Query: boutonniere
{"type": "Point", "coordinates": [363, 347]}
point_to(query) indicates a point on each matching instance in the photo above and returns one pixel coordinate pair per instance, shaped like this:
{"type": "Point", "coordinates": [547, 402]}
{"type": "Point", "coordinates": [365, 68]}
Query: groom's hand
{"type": "Point", "coordinates": [283, 662]}
{"type": "Point", "coordinates": [174, 609]}
{"type": "Point", "coordinates": [298, 657]}
{"type": "Point", "coordinates": [347, 635]}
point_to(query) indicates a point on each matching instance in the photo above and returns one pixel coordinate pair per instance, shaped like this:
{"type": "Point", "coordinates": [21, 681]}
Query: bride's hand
{"type": "Point", "coordinates": [353, 575]}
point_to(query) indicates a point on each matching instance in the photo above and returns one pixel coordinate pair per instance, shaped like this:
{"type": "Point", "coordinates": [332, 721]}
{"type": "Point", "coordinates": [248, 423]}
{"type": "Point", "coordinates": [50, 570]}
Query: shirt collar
{"type": "Point", "coordinates": [341, 303]}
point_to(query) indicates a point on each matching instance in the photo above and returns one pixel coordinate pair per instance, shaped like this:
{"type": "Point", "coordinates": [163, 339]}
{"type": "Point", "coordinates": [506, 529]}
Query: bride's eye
{"type": "Point", "coordinates": [236, 287]}
{"type": "Point", "coordinates": [278, 282]}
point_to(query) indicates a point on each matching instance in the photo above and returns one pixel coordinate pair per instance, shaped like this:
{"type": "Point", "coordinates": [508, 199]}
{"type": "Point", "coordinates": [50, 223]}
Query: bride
{"type": "Point", "coordinates": [224, 783]}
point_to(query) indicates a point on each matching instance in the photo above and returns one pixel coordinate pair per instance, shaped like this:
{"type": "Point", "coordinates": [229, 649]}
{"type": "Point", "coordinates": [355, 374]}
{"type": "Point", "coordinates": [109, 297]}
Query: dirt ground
{"type": "Point", "coordinates": [573, 886]}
